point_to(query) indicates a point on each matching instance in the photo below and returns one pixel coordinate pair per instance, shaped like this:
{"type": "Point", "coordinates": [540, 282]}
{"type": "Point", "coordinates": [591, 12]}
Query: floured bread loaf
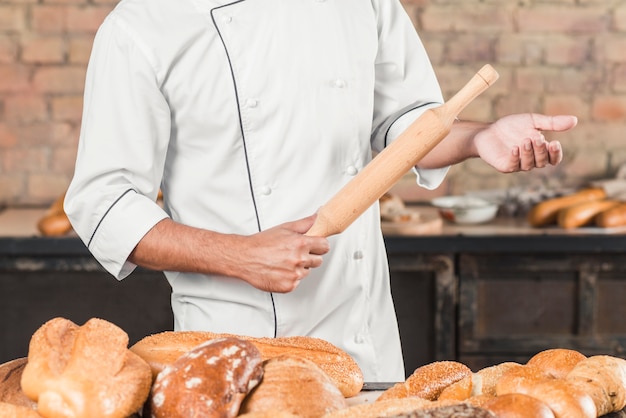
{"type": "Point", "coordinates": [8, 410]}
{"type": "Point", "coordinates": [295, 385]}
{"type": "Point", "coordinates": [10, 386]}
{"type": "Point", "coordinates": [84, 371]}
{"type": "Point", "coordinates": [164, 348]}
{"type": "Point", "coordinates": [210, 380]}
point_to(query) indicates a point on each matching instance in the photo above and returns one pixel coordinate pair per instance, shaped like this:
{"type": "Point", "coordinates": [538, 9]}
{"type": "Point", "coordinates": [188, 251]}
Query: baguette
{"type": "Point", "coordinates": [164, 348]}
{"type": "Point", "coordinates": [613, 217]}
{"type": "Point", "coordinates": [545, 213]}
{"type": "Point", "coordinates": [582, 213]}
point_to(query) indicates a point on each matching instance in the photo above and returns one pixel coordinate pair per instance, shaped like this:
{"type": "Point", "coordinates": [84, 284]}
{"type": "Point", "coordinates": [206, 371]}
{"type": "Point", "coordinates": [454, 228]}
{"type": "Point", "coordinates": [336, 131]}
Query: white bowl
{"type": "Point", "coordinates": [465, 209]}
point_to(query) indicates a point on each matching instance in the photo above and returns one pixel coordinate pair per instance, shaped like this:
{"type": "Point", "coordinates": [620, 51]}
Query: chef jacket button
{"type": "Point", "coordinates": [265, 191]}
{"type": "Point", "coordinates": [227, 19]}
{"type": "Point", "coordinates": [252, 103]}
{"type": "Point", "coordinates": [340, 83]}
{"type": "Point", "coordinates": [351, 170]}
{"type": "Point", "coordinates": [358, 255]}
{"type": "Point", "coordinates": [359, 339]}
{"type": "Point", "coordinates": [320, 1]}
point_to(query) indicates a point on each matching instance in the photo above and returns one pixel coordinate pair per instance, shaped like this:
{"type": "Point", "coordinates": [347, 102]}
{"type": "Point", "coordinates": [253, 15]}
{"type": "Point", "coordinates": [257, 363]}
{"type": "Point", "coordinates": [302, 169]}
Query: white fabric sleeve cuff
{"type": "Point", "coordinates": [428, 178]}
{"type": "Point", "coordinates": [122, 227]}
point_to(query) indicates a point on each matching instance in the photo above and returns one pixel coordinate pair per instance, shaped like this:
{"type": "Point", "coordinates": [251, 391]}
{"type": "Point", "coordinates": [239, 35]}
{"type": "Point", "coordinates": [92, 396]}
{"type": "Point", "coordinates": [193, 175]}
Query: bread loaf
{"type": "Point", "coordinates": [382, 408]}
{"type": "Point", "coordinates": [55, 222]}
{"type": "Point", "coordinates": [520, 379]}
{"type": "Point", "coordinates": [517, 405]}
{"type": "Point", "coordinates": [612, 218]}
{"type": "Point", "coordinates": [583, 213]}
{"type": "Point", "coordinates": [459, 390]}
{"type": "Point", "coordinates": [490, 376]}
{"type": "Point", "coordinates": [545, 213]}
{"type": "Point", "coordinates": [295, 385]}
{"type": "Point", "coordinates": [84, 372]}
{"type": "Point", "coordinates": [604, 379]}
{"type": "Point", "coordinates": [428, 381]}
{"type": "Point", "coordinates": [10, 386]}
{"type": "Point", "coordinates": [208, 381]}
{"type": "Point", "coordinates": [564, 399]}
{"type": "Point", "coordinates": [450, 411]}
{"type": "Point", "coordinates": [556, 362]}
{"type": "Point", "coordinates": [164, 348]}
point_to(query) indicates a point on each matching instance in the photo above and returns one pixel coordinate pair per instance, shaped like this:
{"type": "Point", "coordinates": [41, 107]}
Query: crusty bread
{"type": "Point", "coordinates": [295, 385]}
{"type": "Point", "coordinates": [10, 386]}
{"type": "Point", "coordinates": [604, 379]}
{"type": "Point", "coordinates": [428, 381]}
{"type": "Point", "coordinates": [459, 410]}
{"type": "Point", "coordinates": [211, 380]}
{"type": "Point", "coordinates": [518, 405]}
{"type": "Point", "coordinates": [520, 379]}
{"type": "Point", "coordinates": [8, 410]}
{"type": "Point", "coordinates": [489, 376]}
{"type": "Point", "coordinates": [458, 391]}
{"type": "Point", "coordinates": [85, 371]}
{"type": "Point", "coordinates": [55, 222]}
{"type": "Point", "coordinates": [164, 348]}
{"type": "Point", "coordinates": [564, 399]}
{"type": "Point", "coordinates": [556, 362]}
{"type": "Point", "coordinates": [382, 408]}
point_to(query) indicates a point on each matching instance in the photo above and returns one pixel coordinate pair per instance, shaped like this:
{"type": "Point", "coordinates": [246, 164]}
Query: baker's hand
{"type": "Point", "coordinates": [276, 260]}
{"type": "Point", "coordinates": [516, 142]}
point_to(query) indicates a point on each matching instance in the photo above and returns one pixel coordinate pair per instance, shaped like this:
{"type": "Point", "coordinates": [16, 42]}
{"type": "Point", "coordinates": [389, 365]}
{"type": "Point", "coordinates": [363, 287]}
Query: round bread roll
{"type": "Point", "coordinates": [556, 362]}
{"type": "Point", "coordinates": [564, 399]}
{"type": "Point", "coordinates": [458, 391]}
{"type": "Point", "coordinates": [295, 385]}
{"type": "Point", "coordinates": [450, 411]}
{"type": "Point", "coordinates": [164, 348]}
{"type": "Point", "coordinates": [478, 400]}
{"type": "Point", "coordinates": [383, 408]}
{"type": "Point", "coordinates": [428, 381]}
{"type": "Point", "coordinates": [10, 386]}
{"type": "Point", "coordinates": [489, 376]}
{"type": "Point", "coordinates": [604, 379]}
{"type": "Point", "coordinates": [8, 410]}
{"type": "Point", "coordinates": [520, 379]}
{"type": "Point", "coordinates": [210, 380]}
{"type": "Point", "coordinates": [518, 405]}
{"type": "Point", "coordinates": [84, 372]}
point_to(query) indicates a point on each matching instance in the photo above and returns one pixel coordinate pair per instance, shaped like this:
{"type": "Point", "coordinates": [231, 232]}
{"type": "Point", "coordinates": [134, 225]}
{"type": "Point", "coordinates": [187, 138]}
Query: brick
{"type": "Point", "coordinates": [619, 18]}
{"type": "Point", "coordinates": [530, 79]}
{"type": "Point", "coordinates": [611, 47]}
{"type": "Point", "coordinates": [79, 49]}
{"type": "Point", "coordinates": [588, 163]}
{"type": "Point", "coordinates": [43, 134]}
{"type": "Point", "coordinates": [63, 159]}
{"type": "Point", "coordinates": [469, 49]}
{"type": "Point", "coordinates": [49, 19]}
{"type": "Point", "coordinates": [25, 108]}
{"type": "Point", "coordinates": [567, 105]}
{"type": "Point", "coordinates": [12, 18]}
{"type": "Point", "coordinates": [11, 187]}
{"type": "Point", "coordinates": [554, 19]}
{"type": "Point", "coordinates": [480, 109]}
{"type": "Point", "coordinates": [8, 138]}
{"type": "Point", "coordinates": [86, 19]}
{"type": "Point", "coordinates": [619, 78]}
{"type": "Point", "coordinates": [60, 80]}
{"type": "Point", "coordinates": [609, 108]}
{"type": "Point", "coordinates": [574, 80]}
{"type": "Point", "coordinates": [26, 160]}
{"type": "Point", "coordinates": [517, 103]}
{"type": "Point", "coordinates": [8, 49]}
{"type": "Point", "coordinates": [515, 48]}
{"type": "Point", "coordinates": [67, 108]}
{"type": "Point", "coordinates": [564, 50]}
{"type": "Point", "coordinates": [45, 188]}
{"type": "Point", "coordinates": [484, 18]}
{"type": "Point", "coordinates": [14, 78]}
{"type": "Point", "coordinates": [43, 50]}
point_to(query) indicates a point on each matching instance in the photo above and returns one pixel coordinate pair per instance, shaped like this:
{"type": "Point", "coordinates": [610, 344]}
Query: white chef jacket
{"type": "Point", "coordinates": [248, 114]}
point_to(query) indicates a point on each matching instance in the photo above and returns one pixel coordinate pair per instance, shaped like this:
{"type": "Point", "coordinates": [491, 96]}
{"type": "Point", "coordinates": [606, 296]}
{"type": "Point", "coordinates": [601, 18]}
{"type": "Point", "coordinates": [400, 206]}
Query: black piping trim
{"type": "Point", "coordinates": [243, 138]}
{"type": "Point", "coordinates": [106, 213]}
{"type": "Point", "coordinates": [404, 112]}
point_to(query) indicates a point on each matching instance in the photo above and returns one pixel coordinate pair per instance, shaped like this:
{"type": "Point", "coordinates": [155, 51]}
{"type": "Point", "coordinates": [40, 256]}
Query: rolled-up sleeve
{"type": "Point", "coordinates": [111, 200]}
{"type": "Point", "coordinates": [406, 84]}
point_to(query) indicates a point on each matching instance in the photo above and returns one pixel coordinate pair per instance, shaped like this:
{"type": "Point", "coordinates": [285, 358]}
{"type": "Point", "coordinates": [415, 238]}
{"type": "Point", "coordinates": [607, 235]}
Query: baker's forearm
{"type": "Point", "coordinates": [170, 246]}
{"type": "Point", "coordinates": [457, 146]}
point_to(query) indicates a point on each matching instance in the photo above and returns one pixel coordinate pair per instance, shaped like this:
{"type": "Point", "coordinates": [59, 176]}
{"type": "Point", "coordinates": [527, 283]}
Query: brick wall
{"type": "Point", "coordinates": [553, 56]}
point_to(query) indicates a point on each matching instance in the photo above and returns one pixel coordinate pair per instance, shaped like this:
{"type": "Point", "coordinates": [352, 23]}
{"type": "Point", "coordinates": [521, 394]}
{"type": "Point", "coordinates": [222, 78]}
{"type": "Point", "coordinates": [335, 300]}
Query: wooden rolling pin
{"type": "Point", "coordinates": [397, 159]}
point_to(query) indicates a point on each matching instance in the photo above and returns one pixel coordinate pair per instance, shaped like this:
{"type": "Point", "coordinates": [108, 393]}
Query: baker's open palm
{"type": "Point", "coordinates": [516, 142]}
